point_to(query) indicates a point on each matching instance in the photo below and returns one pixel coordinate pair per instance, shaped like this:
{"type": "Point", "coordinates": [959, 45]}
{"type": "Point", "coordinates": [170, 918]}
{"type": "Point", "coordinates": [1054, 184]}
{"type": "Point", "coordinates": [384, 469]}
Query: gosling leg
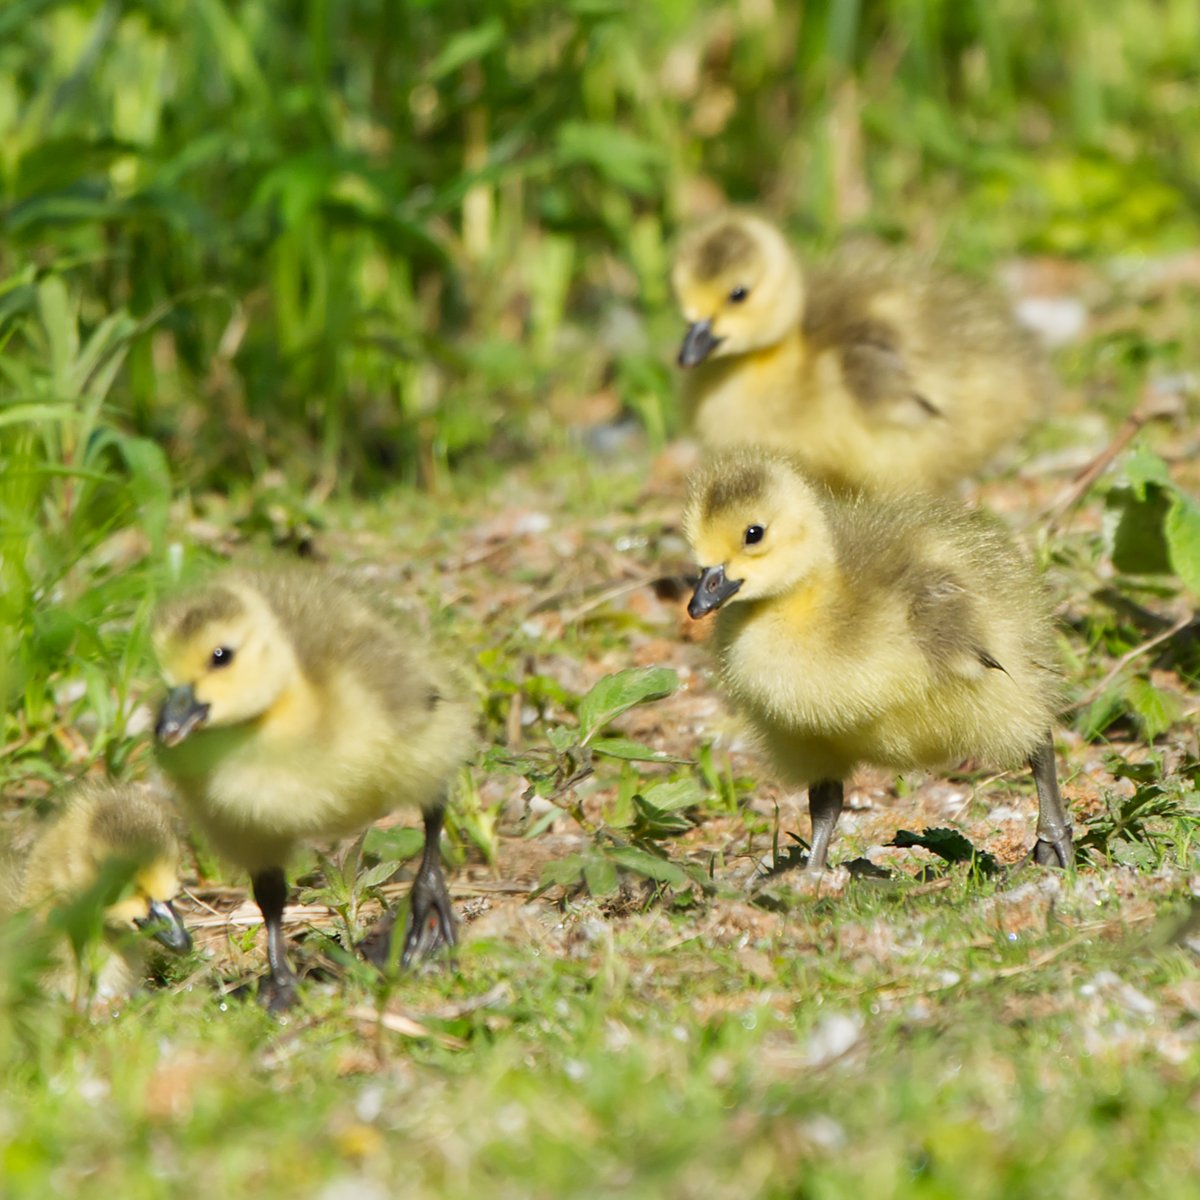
{"type": "Point", "coordinates": [824, 807]}
{"type": "Point", "coordinates": [431, 915]}
{"type": "Point", "coordinates": [1053, 847]}
{"type": "Point", "coordinates": [278, 988]}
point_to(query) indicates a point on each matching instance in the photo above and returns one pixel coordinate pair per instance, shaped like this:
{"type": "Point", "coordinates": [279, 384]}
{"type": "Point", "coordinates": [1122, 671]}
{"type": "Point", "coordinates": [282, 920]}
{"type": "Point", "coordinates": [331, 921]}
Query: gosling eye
{"type": "Point", "coordinates": [739, 294]}
{"type": "Point", "coordinates": [222, 656]}
{"type": "Point", "coordinates": [753, 535]}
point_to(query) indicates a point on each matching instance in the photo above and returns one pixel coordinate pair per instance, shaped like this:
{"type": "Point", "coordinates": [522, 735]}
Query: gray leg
{"type": "Point", "coordinates": [1053, 847]}
{"type": "Point", "coordinates": [278, 989]}
{"type": "Point", "coordinates": [824, 807]}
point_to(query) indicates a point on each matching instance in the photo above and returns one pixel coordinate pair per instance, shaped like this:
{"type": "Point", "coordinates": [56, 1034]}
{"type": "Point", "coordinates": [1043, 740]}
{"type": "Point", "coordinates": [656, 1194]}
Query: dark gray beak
{"type": "Point", "coordinates": [166, 926]}
{"type": "Point", "coordinates": [179, 715]}
{"type": "Point", "coordinates": [698, 344]}
{"type": "Point", "coordinates": [711, 592]}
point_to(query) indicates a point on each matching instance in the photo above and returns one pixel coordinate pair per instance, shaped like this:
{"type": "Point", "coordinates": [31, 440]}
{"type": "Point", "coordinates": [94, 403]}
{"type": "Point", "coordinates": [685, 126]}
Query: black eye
{"type": "Point", "coordinates": [738, 294]}
{"type": "Point", "coordinates": [222, 656]}
{"type": "Point", "coordinates": [753, 535]}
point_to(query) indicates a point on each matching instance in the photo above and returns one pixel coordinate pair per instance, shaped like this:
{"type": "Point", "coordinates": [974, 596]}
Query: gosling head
{"type": "Point", "coordinates": [756, 526]}
{"type": "Point", "coordinates": [131, 836]}
{"type": "Point", "coordinates": [149, 905]}
{"type": "Point", "coordinates": [738, 285]}
{"type": "Point", "coordinates": [225, 659]}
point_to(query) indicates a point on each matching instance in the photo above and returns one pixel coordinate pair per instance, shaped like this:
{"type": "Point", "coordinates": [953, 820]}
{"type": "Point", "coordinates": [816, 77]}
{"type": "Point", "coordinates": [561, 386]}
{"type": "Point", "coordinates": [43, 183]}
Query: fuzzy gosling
{"type": "Point", "coordinates": [106, 826]}
{"type": "Point", "coordinates": [297, 711]}
{"type": "Point", "coordinates": [901, 633]}
{"type": "Point", "coordinates": [873, 373]}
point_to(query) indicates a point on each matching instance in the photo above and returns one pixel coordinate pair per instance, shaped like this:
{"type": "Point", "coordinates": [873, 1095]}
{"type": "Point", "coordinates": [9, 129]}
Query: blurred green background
{"type": "Point", "coordinates": [354, 237]}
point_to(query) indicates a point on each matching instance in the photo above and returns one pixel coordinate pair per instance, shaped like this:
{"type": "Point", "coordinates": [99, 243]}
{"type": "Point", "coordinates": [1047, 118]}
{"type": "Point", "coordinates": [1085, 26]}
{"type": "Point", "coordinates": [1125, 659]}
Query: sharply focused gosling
{"type": "Point", "coordinates": [112, 832]}
{"type": "Point", "coordinates": [901, 633]}
{"type": "Point", "coordinates": [874, 377]}
{"type": "Point", "coordinates": [297, 711]}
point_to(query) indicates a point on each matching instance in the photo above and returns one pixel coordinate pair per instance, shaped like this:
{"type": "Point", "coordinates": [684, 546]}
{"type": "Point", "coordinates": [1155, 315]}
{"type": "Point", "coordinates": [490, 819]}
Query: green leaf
{"type": "Point", "coordinates": [379, 873]}
{"type": "Point", "coordinates": [561, 738]}
{"type": "Point", "coordinates": [628, 749]}
{"type": "Point", "coordinates": [614, 694]}
{"type": "Point", "coordinates": [652, 822]}
{"type": "Point", "coordinates": [949, 845]}
{"type": "Point", "coordinates": [1143, 467]}
{"type": "Point", "coordinates": [1134, 529]}
{"type": "Point", "coordinates": [619, 156]}
{"type": "Point", "coordinates": [465, 47]}
{"type": "Point", "coordinates": [542, 823]}
{"type": "Point", "coordinates": [674, 793]}
{"type": "Point", "coordinates": [1183, 540]}
{"type": "Point", "coordinates": [563, 872]}
{"type": "Point", "coordinates": [149, 481]}
{"type": "Point", "coordinates": [650, 865]}
{"type": "Point", "coordinates": [1156, 711]}
{"type": "Point", "coordinates": [394, 845]}
{"type": "Point", "coordinates": [600, 875]}
{"type": "Point", "coordinates": [1101, 713]}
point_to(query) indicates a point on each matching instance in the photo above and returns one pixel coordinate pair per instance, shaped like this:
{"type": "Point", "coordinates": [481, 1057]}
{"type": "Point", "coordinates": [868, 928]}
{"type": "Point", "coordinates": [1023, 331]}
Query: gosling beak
{"type": "Point", "coordinates": [180, 714]}
{"type": "Point", "coordinates": [166, 926]}
{"type": "Point", "coordinates": [698, 343]}
{"type": "Point", "coordinates": [712, 591]}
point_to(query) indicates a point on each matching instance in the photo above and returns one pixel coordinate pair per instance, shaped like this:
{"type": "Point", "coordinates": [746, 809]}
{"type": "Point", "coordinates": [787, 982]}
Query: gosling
{"type": "Point", "coordinates": [898, 633]}
{"type": "Point", "coordinates": [296, 711]}
{"type": "Point", "coordinates": [873, 375]}
{"type": "Point", "coordinates": [115, 838]}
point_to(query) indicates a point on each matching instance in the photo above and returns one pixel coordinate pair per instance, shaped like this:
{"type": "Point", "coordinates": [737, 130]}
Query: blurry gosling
{"type": "Point", "coordinates": [105, 833]}
{"type": "Point", "coordinates": [296, 711]}
{"type": "Point", "coordinates": [874, 375]}
{"type": "Point", "coordinates": [904, 633]}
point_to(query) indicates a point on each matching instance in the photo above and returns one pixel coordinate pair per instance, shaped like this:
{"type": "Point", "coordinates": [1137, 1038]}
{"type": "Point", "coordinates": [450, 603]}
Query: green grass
{"type": "Point", "coordinates": [367, 279]}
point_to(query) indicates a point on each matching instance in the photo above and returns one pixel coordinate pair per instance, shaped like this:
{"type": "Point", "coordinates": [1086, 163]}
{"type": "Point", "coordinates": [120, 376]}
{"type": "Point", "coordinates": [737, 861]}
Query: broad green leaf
{"type": "Point", "coordinates": [601, 877]}
{"type": "Point", "coordinates": [1134, 530]}
{"type": "Point", "coordinates": [1183, 540]}
{"type": "Point", "coordinates": [949, 845]}
{"type": "Point", "coordinates": [653, 822]}
{"type": "Point", "coordinates": [616, 693]}
{"type": "Point", "coordinates": [1156, 711]}
{"type": "Point", "coordinates": [1144, 467]}
{"type": "Point", "coordinates": [649, 865]}
{"type": "Point", "coordinates": [627, 748]}
{"type": "Point", "coordinates": [673, 794]}
{"type": "Point", "coordinates": [561, 738]}
{"type": "Point", "coordinates": [380, 873]}
{"type": "Point", "coordinates": [565, 872]}
{"type": "Point", "coordinates": [394, 845]}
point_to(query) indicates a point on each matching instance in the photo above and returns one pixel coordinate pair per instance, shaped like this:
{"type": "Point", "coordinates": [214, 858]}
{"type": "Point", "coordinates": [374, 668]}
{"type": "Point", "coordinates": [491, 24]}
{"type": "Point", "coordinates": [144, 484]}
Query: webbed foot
{"type": "Point", "coordinates": [430, 917]}
{"type": "Point", "coordinates": [277, 993]}
{"type": "Point", "coordinates": [1054, 851]}
{"type": "Point", "coordinates": [430, 913]}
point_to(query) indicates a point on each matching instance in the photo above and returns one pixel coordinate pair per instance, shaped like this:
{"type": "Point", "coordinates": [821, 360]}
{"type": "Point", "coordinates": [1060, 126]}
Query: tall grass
{"type": "Point", "coordinates": [369, 226]}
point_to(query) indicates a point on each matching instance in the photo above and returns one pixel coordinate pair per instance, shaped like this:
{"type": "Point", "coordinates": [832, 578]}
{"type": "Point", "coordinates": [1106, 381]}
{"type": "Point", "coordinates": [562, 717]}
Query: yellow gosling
{"type": "Point", "coordinates": [904, 633]}
{"type": "Point", "coordinates": [297, 711]}
{"type": "Point", "coordinates": [872, 373]}
{"type": "Point", "coordinates": [105, 831]}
